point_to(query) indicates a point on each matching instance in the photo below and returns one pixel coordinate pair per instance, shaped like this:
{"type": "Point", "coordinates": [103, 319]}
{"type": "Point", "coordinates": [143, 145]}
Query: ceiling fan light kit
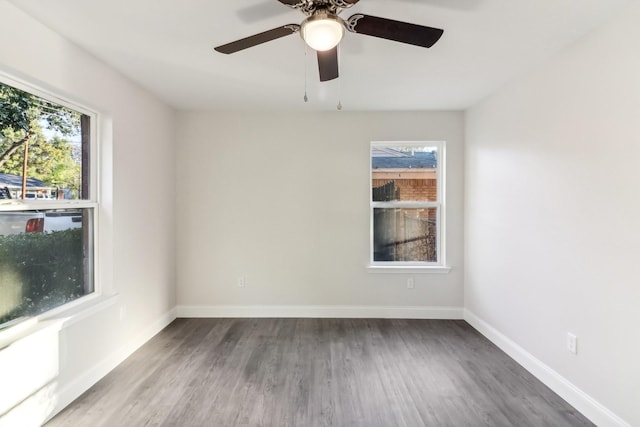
{"type": "Point", "coordinates": [324, 29]}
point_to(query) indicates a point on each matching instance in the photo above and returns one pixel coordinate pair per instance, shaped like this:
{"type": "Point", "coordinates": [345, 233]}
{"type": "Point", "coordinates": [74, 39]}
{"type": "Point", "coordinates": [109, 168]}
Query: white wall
{"type": "Point", "coordinates": [283, 199]}
{"type": "Point", "coordinates": [552, 214]}
{"type": "Point", "coordinates": [138, 213]}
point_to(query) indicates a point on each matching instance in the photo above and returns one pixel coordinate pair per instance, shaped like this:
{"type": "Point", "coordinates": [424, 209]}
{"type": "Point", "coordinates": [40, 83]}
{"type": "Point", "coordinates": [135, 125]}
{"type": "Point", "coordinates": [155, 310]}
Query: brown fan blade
{"type": "Point", "coordinates": [257, 39]}
{"type": "Point", "coordinates": [328, 64]}
{"type": "Point", "coordinates": [389, 29]}
{"type": "Point", "coordinates": [292, 3]}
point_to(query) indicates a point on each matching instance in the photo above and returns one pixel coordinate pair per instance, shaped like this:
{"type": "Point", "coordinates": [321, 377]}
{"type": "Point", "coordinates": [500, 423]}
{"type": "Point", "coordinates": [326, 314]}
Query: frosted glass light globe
{"type": "Point", "coordinates": [322, 32]}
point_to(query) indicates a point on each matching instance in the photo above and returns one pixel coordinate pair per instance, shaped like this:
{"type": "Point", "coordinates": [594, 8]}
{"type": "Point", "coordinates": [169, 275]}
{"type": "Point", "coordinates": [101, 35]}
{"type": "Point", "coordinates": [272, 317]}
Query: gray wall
{"type": "Point", "coordinates": [283, 199]}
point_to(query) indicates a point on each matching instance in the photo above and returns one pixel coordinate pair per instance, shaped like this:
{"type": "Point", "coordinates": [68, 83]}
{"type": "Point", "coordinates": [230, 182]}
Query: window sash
{"type": "Point", "coordinates": [93, 196]}
{"type": "Point", "coordinates": [438, 205]}
{"type": "Point", "coordinates": [439, 247]}
{"type": "Point", "coordinates": [90, 201]}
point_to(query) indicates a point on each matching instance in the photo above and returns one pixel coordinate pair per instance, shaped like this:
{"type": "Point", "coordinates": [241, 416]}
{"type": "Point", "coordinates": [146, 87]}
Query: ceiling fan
{"type": "Point", "coordinates": [323, 30]}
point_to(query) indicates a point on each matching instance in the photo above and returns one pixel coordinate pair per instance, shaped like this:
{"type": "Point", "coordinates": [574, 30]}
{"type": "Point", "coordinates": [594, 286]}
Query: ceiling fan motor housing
{"type": "Point", "coordinates": [309, 7]}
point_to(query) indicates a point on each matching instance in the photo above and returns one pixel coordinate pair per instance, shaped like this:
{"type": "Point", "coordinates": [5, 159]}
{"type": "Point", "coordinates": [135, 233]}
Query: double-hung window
{"type": "Point", "coordinates": [407, 193]}
{"type": "Point", "coordinates": [48, 202]}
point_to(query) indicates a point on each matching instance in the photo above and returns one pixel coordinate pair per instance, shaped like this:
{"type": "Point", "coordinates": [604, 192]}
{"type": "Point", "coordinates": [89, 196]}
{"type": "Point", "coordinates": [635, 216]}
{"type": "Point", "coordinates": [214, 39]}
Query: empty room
{"type": "Point", "coordinates": [319, 213]}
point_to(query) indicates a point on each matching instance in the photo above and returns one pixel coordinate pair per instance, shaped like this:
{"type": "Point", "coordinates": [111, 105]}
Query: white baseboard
{"type": "Point", "coordinates": [73, 390]}
{"type": "Point", "coordinates": [318, 311]}
{"type": "Point", "coordinates": [588, 406]}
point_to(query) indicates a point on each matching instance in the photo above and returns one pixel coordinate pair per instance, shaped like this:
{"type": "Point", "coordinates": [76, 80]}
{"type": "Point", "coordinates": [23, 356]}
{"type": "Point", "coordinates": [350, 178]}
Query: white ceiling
{"type": "Point", "coordinates": [167, 47]}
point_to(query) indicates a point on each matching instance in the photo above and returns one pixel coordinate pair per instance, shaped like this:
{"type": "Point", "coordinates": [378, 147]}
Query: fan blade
{"type": "Point", "coordinates": [292, 3]}
{"type": "Point", "coordinates": [257, 39]}
{"type": "Point", "coordinates": [389, 29]}
{"type": "Point", "coordinates": [328, 64]}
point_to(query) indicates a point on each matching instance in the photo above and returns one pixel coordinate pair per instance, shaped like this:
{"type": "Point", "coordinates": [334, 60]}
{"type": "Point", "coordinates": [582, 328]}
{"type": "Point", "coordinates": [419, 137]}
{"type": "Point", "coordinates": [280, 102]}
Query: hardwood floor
{"type": "Point", "coordinates": [319, 372]}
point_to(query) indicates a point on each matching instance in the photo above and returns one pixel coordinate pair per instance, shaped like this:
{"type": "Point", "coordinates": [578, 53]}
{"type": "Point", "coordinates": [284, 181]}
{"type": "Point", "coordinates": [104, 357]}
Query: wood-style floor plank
{"type": "Point", "coordinates": [319, 372]}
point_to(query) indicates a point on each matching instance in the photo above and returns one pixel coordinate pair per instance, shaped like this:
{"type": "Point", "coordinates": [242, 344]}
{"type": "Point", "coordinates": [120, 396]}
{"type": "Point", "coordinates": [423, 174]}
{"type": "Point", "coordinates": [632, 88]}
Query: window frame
{"type": "Point", "coordinates": [419, 266]}
{"type": "Point", "coordinates": [90, 202]}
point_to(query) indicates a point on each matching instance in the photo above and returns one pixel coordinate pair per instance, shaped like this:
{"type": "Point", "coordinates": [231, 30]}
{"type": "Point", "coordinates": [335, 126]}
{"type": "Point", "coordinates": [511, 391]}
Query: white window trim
{"type": "Point", "coordinates": [103, 295]}
{"type": "Point", "coordinates": [408, 269]}
{"type": "Point", "coordinates": [390, 267]}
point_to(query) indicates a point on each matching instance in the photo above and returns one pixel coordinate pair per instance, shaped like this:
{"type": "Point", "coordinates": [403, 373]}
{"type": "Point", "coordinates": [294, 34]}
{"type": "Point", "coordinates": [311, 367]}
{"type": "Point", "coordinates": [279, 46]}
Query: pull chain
{"type": "Point", "coordinates": [306, 99]}
{"type": "Point", "coordinates": [339, 106]}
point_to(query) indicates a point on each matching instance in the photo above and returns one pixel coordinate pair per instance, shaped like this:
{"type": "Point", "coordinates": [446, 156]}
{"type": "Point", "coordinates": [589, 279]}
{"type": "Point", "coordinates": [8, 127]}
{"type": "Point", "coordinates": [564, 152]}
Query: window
{"type": "Point", "coordinates": [406, 203]}
{"type": "Point", "coordinates": [47, 202]}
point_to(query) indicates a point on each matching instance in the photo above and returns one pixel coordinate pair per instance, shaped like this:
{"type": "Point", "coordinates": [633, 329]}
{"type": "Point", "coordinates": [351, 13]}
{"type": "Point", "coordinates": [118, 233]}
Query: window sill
{"type": "Point", "coordinates": [77, 312]}
{"type": "Point", "coordinates": [408, 269]}
{"type": "Point", "coordinates": [59, 319]}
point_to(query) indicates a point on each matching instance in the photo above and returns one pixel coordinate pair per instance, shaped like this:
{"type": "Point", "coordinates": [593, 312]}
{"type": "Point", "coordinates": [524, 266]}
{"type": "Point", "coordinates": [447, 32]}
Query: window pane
{"type": "Point", "coordinates": [44, 148]}
{"type": "Point", "coordinates": [45, 259]}
{"type": "Point", "coordinates": [406, 235]}
{"type": "Point", "coordinates": [404, 173]}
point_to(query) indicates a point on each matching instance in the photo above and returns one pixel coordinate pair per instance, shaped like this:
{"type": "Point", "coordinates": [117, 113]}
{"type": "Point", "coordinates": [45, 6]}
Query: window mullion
{"type": "Point", "coordinates": [41, 206]}
{"type": "Point", "coordinates": [398, 204]}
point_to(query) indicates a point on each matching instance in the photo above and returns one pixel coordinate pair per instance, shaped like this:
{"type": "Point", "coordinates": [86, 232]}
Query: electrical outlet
{"type": "Point", "coordinates": [242, 282]}
{"type": "Point", "coordinates": [411, 283]}
{"type": "Point", "coordinates": [572, 343]}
